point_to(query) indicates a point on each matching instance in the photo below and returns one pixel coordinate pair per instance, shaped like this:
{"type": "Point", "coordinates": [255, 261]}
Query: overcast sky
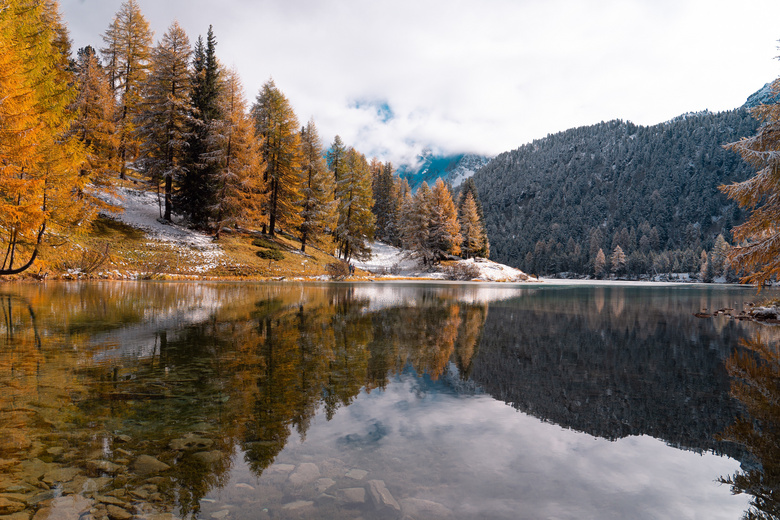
{"type": "Point", "coordinates": [485, 76]}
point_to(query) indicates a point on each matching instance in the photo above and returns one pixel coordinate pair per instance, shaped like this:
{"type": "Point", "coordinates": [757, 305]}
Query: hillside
{"type": "Point", "coordinates": [552, 204]}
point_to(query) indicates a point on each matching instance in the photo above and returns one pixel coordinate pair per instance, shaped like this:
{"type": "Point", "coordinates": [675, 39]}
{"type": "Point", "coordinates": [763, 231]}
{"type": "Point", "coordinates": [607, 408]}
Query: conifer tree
{"type": "Point", "coordinates": [618, 260]}
{"type": "Point", "coordinates": [337, 158]}
{"type": "Point", "coordinates": [197, 188]}
{"type": "Point", "coordinates": [444, 229]}
{"type": "Point", "coordinates": [415, 224]}
{"type": "Point", "coordinates": [758, 250]}
{"type": "Point", "coordinates": [239, 167]}
{"type": "Point", "coordinates": [128, 48]}
{"type": "Point", "coordinates": [94, 126]}
{"type": "Point", "coordinates": [163, 119]}
{"type": "Point", "coordinates": [277, 124]}
{"type": "Point", "coordinates": [40, 158]}
{"type": "Point", "coordinates": [355, 227]}
{"type": "Point", "coordinates": [385, 208]}
{"type": "Point", "coordinates": [470, 228]}
{"type": "Point", "coordinates": [470, 188]}
{"type": "Point", "coordinates": [600, 264]}
{"type": "Point", "coordinates": [319, 206]}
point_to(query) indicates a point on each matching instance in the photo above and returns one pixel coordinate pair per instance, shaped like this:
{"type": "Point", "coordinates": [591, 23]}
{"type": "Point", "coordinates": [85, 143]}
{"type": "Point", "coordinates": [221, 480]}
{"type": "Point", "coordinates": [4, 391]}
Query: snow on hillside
{"type": "Point", "coordinates": [141, 209]}
{"type": "Point", "coordinates": [389, 260]}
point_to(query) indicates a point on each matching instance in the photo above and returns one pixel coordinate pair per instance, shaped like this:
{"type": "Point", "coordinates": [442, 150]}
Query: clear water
{"type": "Point", "coordinates": [252, 401]}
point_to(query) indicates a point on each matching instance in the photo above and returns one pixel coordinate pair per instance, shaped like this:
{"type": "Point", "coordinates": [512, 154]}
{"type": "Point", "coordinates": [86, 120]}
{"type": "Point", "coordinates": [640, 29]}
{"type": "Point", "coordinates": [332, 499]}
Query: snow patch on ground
{"type": "Point", "coordinates": [388, 260]}
{"type": "Point", "coordinates": [141, 209]}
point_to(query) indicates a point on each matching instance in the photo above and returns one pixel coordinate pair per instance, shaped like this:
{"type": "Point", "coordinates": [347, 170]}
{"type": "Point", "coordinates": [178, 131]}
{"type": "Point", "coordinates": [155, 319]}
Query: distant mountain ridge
{"type": "Point", "coordinates": [452, 168]}
{"type": "Point", "coordinates": [550, 205]}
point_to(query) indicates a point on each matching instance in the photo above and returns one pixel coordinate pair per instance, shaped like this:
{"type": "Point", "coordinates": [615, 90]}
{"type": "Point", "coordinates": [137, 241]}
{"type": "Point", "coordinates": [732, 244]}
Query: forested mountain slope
{"type": "Point", "coordinates": [552, 204]}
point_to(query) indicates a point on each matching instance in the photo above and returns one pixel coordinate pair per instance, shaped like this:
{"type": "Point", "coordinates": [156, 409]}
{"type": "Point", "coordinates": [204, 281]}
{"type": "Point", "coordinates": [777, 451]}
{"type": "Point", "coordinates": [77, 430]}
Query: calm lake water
{"type": "Point", "coordinates": [356, 401]}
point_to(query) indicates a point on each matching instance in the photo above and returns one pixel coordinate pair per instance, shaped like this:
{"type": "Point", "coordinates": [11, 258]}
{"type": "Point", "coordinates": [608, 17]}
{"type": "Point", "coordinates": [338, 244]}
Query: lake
{"type": "Point", "coordinates": [163, 401]}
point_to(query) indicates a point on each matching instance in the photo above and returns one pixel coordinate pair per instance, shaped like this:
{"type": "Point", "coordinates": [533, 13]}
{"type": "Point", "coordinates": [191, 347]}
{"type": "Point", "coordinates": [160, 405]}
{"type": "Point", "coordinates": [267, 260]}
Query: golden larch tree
{"type": "Point", "coordinates": [757, 253]}
{"type": "Point", "coordinates": [40, 159]}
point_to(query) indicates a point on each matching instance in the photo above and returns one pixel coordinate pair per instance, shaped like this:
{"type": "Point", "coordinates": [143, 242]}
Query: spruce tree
{"type": "Point", "coordinates": [355, 227]}
{"type": "Point", "coordinates": [337, 158]}
{"type": "Point", "coordinates": [163, 119]}
{"type": "Point", "coordinates": [385, 204]}
{"type": "Point", "coordinates": [319, 206]}
{"type": "Point", "coordinates": [128, 48]}
{"type": "Point", "coordinates": [196, 195]}
{"type": "Point", "coordinates": [277, 124]}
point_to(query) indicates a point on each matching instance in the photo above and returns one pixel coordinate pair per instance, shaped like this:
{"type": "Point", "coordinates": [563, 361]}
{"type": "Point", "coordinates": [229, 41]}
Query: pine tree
{"type": "Point", "coordinates": [128, 48]}
{"type": "Point", "coordinates": [319, 206]}
{"type": "Point", "coordinates": [276, 122]}
{"type": "Point", "coordinates": [719, 255]}
{"type": "Point", "coordinates": [758, 252]}
{"type": "Point", "coordinates": [163, 119]}
{"type": "Point", "coordinates": [337, 158]}
{"type": "Point", "coordinates": [94, 126]}
{"type": "Point", "coordinates": [444, 229]}
{"type": "Point", "coordinates": [356, 221]}
{"type": "Point", "coordinates": [40, 158]}
{"type": "Point", "coordinates": [197, 188]}
{"type": "Point", "coordinates": [239, 164]}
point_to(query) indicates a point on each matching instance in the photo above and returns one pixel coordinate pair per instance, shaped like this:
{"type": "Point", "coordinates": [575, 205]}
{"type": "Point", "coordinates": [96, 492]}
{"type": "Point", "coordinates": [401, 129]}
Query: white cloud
{"type": "Point", "coordinates": [476, 76]}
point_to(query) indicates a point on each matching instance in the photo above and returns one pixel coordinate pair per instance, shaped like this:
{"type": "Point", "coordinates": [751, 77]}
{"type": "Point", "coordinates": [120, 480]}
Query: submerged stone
{"type": "Point", "coordinates": [118, 513]}
{"type": "Point", "coordinates": [8, 506]}
{"type": "Point", "coordinates": [421, 508]}
{"type": "Point", "coordinates": [209, 457]}
{"type": "Point", "coordinates": [71, 507]}
{"type": "Point", "coordinates": [324, 484]}
{"type": "Point", "coordinates": [304, 474]}
{"type": "Point", "coordinates": [357, 474]}
{"type": "Point", "coordinates": [191, 442]}
{"type": "Point", "coordinates": [60, 475]}
{"type": "Point", "coordinates": [146, 465]}
{"type": "Point", "coordinates": [381, 496]}
{"type": "Point", "coordinates": [352, 496]}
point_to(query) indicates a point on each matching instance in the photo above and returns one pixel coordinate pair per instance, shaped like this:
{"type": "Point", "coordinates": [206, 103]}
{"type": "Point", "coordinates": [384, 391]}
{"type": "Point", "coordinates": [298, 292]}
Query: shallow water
{"type": "Point", "coordinates": [168, 400]}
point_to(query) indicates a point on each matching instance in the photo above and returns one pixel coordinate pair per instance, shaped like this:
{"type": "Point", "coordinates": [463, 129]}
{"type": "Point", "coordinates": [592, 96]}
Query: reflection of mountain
{"type": "Point", "coordinates": [610, 371]}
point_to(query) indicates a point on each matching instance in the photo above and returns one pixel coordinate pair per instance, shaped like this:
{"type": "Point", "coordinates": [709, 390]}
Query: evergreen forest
{"type": "Point", "coordinates": [619, 199]}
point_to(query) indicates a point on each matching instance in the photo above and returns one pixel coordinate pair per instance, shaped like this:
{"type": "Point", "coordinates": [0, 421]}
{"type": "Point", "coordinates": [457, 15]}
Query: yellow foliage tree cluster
{"type": "Point", "coordinates": [40, 158]}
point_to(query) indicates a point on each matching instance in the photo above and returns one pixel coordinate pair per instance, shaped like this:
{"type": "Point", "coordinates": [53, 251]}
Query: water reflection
{"type": "Point", "coordinates": [154, 399]}
{"type": "Point", "coordinates": [755, 372]}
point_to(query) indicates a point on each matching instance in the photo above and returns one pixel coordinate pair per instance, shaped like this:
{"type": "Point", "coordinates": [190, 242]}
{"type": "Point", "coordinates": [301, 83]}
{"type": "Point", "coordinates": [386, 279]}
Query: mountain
{"type": "Point", "coordinates": [550, 205]}
{"type": "Point", "coordinates": [452, 168]}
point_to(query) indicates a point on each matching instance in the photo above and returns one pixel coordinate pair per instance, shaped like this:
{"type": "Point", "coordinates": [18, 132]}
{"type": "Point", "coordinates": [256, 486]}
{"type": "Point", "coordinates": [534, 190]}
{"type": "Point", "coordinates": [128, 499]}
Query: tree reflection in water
{"type": "Point", "coordinates": [194, 393]}
{"type": "Point", "coordinates": [755, 372]}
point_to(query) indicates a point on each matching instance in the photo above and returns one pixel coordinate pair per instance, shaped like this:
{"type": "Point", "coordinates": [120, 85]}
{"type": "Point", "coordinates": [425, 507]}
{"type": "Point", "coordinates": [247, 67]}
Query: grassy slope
{"type": "Point", "coordinates": [114, 250]}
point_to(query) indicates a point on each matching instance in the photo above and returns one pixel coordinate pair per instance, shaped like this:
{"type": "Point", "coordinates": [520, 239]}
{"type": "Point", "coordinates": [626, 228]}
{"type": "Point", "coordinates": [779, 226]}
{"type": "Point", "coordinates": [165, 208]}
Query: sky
{"type": "Point", "coordinates": [395, 77]}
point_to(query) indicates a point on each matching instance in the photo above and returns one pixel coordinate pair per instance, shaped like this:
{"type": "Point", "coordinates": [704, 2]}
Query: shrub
{"type": "Point", "coordinates": [261, 242]}
{"type": "Point", "coordinates": [270, 254]}
{"type": "Point", "coordinates": [461, 271]}
{"type": "Point", "coordinates": [338, 270]}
